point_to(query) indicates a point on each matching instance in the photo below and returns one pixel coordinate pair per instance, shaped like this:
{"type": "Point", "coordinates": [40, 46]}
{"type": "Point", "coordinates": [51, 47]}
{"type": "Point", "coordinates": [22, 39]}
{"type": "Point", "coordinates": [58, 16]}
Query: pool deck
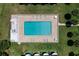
{"type": "Point", "coordinates": [37, 17]}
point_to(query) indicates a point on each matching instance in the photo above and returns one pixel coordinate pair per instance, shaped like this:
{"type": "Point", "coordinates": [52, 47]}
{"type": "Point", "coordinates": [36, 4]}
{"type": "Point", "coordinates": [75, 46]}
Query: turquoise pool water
{"type": "Point", "coordinates": [37, 28]}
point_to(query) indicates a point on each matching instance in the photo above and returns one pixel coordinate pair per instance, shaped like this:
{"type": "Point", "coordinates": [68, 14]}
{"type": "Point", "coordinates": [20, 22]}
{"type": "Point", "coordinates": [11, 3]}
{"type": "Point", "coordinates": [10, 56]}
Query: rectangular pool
{"type": "Point", "coordinates": [37, 28]}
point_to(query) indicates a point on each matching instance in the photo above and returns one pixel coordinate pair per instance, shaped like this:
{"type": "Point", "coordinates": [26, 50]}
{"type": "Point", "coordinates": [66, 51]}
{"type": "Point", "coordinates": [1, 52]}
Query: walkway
{"type": "Point", "coordinates": [63, 24]}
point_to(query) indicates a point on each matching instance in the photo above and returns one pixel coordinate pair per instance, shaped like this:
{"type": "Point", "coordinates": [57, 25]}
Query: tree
{"type": "Point", "coordinates": [67, 16]}
{"type": "Point", "coordinates": [42, 53]}
{"type": "Point", "coordinates": [4, 44]}
{"type": "Point", "coordinates": [69, 34]}
{"type": "Point", "coordinates": [67, 3]}
{"type": "Point", "coordinates": [68, 24]}
{"type": "Point", "coordinates": [71, 53]}
{"type": "Point", "coordinates": [75, 12]}
{"type": "Point", "coordinates": [4, 54]}
{"type": "Point", "coordinates": [23, 3]}
{"type": "Point", "coordinates": [74, 21]}
{"type": "Point", "coordinates": [76, 43]}
{"type": "Point", "coordinates": [70, 42]}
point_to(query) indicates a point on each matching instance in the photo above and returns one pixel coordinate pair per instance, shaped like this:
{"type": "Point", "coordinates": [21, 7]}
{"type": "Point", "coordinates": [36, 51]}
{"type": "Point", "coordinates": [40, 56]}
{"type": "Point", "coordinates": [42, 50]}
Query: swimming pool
{"type": "Point", "coordinates": [37, 28]}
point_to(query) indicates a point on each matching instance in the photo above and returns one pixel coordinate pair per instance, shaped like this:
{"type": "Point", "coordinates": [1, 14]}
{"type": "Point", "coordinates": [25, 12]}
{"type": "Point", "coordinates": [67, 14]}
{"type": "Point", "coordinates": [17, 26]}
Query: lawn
{"type": "Point", "coordinates": [62, 48]}
{"type": "Point", "coordinates": [63, 39]}
{"type": "Point", "coordinates": [4, 21]}
{"type": "Point", "coordinates": [6, 10]}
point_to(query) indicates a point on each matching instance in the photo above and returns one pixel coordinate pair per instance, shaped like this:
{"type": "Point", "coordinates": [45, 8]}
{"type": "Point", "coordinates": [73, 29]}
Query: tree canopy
{"type": "Point", "coordinates": [70, 42]}
{"type": "Point", "coordinates": [4, 44]}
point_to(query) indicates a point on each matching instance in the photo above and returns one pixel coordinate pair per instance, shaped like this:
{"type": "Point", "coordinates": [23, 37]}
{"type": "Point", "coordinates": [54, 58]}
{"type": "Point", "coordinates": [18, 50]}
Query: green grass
{"type": "Point", "coordinates": [4, 21]}
{"type": "Point", "coordinates": [6, 10]}
{"type": "Point", "coordinates": [63, 40]}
